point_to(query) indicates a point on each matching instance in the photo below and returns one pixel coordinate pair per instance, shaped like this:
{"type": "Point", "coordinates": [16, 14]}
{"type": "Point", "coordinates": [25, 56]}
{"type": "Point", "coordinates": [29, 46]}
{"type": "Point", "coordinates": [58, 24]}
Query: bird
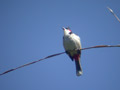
{"type": "Point", "coordinates": [72, 46]}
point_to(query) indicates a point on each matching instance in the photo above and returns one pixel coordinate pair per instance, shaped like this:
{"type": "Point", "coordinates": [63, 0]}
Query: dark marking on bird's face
{"type": "Point", "coordinates": [70, 32]}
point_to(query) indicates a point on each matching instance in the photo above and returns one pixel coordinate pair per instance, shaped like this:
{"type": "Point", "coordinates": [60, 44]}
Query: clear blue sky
{"type": "Point", "coordinates": [31, 29]}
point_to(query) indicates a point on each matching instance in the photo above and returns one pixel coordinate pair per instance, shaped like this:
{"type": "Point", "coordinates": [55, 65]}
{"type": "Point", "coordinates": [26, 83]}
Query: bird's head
{"type": "Point", "coordinates": [67, 31]}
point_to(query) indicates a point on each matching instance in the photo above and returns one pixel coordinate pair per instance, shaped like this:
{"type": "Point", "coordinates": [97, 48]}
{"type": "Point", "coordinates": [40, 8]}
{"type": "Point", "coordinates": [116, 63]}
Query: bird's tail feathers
{"type": "Point", "coordinates": [78, 68]}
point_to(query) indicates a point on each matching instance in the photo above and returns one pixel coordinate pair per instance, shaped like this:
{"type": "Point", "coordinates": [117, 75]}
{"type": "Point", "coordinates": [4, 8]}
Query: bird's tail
{"type": "Point", "coordinates": [78, 68]}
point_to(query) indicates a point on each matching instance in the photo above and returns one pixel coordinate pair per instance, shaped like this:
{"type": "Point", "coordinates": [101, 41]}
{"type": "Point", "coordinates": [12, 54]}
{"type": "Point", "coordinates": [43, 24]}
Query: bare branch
{"type": "Point", "coordinates": [31, 63]}
{"type": "Point", "coordinates": [113, 13]}
{"type": "Point", "coordinates": [98, 46]}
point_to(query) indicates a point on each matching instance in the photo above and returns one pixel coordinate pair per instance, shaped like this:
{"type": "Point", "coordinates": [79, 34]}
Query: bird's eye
{"type": "Point", "coordinates": [70, 32]}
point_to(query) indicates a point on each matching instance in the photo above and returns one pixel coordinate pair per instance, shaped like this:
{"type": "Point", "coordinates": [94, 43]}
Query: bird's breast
{"type": "Point", "coordinates": [70, 43]}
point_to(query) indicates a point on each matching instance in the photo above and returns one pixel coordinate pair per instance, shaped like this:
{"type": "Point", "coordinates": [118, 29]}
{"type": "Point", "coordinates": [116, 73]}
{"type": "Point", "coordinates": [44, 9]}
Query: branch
{"type": "Point", "coordinates": [31, 63]}
{"type": "Point", "coordinates": [53, 55]}
{"type": "Point", "coordinates": [113, 13]}
{"type": "Point", "coordinates": [100, 46]}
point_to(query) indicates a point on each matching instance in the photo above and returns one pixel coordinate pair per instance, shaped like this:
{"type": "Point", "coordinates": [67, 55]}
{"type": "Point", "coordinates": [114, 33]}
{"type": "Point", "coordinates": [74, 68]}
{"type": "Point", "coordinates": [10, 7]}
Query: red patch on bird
{"type": "Point", "coordinates": [76, 57]}
{"type": "Point", "coordinates": [69, 30]}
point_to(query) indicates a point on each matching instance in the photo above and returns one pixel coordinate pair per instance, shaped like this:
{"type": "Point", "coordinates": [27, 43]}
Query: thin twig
{"type": "Point", "coordinates": [98, 46]}
{"type": "Point", "coordinates": [113, 13]}
{"type": "Point", "coordinates": [31, 63]}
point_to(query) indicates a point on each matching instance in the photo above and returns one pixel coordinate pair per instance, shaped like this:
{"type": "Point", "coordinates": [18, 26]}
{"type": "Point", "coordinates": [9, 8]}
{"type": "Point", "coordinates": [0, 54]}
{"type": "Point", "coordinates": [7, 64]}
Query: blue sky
{"type": "Point", "coordinates": [31, 29]}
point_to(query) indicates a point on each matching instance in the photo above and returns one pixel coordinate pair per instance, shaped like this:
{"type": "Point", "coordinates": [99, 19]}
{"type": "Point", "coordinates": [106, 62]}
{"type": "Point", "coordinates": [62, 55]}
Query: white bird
{"type": "Point", "coordinates": [72, 47]}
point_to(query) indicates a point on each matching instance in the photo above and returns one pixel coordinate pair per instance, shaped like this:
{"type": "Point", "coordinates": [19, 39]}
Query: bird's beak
{"type": "Point", "coordinates": [63, 28]}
